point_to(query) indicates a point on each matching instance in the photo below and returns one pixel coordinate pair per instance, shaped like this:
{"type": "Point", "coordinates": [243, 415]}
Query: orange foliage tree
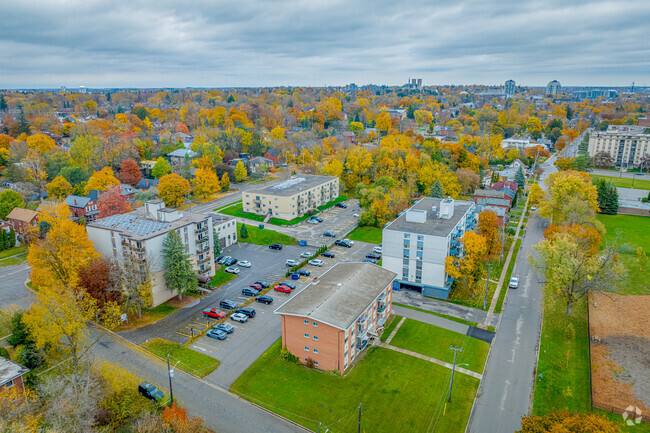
{"type": "Point", "coordinates": [488, 228]}
{"type": "Point", "coordinates": [112, 202]}
{"type": "Point", "coordinates": [129, 172]}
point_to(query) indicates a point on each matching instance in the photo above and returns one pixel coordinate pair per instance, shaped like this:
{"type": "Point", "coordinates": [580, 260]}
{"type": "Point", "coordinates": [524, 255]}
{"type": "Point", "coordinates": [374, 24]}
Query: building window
{"type": "Point", "coordinates": [306, 322]}
{"type": "Point", "coordinates": [316, 363]}
{"type": "Point", "coordinates": [315, 350]}
{"type": "Point", "coordinates": [315, 324]}
{"type": "Point", "coordinates": [407, 243]}
{"type": "Point", "coordinates": [306, 335]}
{"type": "Point", "coordinates": [315, 338]}
{"type": "Point", "coordinates": [407, 235]}
{"type": "Point", "coordinates": [420, 245]}
{"type": "Point", "coordinates": [420, 237]}
{"type": "Point", "coordinates": [406, 253]}
{"type": "Point", "coordinates": [307, 348]}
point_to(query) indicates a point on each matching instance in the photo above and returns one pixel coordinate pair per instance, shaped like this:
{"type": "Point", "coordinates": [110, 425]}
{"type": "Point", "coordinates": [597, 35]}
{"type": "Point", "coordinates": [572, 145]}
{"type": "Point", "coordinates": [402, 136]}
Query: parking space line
{"type": "Point", "coordinates": [206, 344]}
{"type": "Point", "coordinates": [184, 335]}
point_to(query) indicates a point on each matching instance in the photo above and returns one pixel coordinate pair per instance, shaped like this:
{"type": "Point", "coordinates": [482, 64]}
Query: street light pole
{"type": "Point", "coordinates": [453, 368]}
{"type": "Point", "coordinates": [169, 371]}
{"type": "Point", "coordinates": [487, 286]}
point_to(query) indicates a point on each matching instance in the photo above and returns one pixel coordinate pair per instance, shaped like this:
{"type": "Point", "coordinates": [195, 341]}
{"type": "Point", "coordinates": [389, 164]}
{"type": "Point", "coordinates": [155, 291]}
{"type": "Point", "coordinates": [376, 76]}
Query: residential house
{"type": "Point", "coordinates": [177, 157]}
{"type": "Point", "coordinates": [497, 201]}
{"type": "Point", "coordinates": [145, 184]}
{"type": "Point", "coordinates": [256, 163]}
{"type": "Point", "coordinates": [126, 191]}
{"type": "Point", "coordinates": [22, 219]}
{"type": "Point", "coordinates": [84, 207]}
{"type": "Point", "coordinates": [273, 154]}
{"type": "Point", "coordinates": [11, 374]}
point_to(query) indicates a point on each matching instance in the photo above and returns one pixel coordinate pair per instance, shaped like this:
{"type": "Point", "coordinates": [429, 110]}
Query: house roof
{"type": "Point", "coordinates": [10, 370]}
{"type": "Point", "coordinates": [273, 151]}
{"type": "Point", "coordinates": [180, 153]}
{"type": "Point", "coordinates": [147, 183]}
{"type": "Point", "coordinates": [77, 201]}
{"type": "Point", "coordinates": [341, 295]}
{"type": "Point", "coordinates": [292, 186]}
{"type": "Point", "coordinates": [489, 193]}
{"type": "Point", "coordinates": [21, 214]}
{"type": "Point", "coordinates": [260, 160]}
{"type": "Point", "coordinates": [505, 184]}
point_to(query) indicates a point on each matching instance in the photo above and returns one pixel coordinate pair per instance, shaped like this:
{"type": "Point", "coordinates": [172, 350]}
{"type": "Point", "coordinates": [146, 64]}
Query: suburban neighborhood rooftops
{"type": "Point", "coordinates": [180, 153]}
{"type": "Point", "coordinates": [433, 226]}
{"type": "Point", "coordinates": [341, 294]}
{"type": "Point", "coordinates": [20, 214]}
{"type": "Point", "coordinates": [489, 193]}
{"type": "Point", "coordinates": [147, 183]}
{"type": "Point", "coordinates": [293, 185]}
{"type": "Point", "coordinates": [10, 370]}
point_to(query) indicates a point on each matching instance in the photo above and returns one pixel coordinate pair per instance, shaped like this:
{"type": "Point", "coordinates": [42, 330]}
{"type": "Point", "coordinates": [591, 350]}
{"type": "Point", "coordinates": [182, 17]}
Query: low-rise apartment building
{"type": "Point", "coordinates": [138, 237]}
{"type": "Point", "coordinates": [335, 317]}
{"type": "Point", "coordinates": [416, 244]}
{"type": "Point", "coordinates": [627, 145]}
{"type": "Point", "coordinates": [226, 229]}
{"type": "Point", "coordinates": [291, 198]}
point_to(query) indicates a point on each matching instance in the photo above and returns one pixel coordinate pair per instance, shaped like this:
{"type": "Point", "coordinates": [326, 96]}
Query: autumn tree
{"type": "Point", "coordinates": [563, 186]}
{"type": "Point", "coordinates": [20, 410]}
{"type": "Point", "coordinates": [161, 168]}
{"type": "Point", "coordinates": [9, 199]}
{"type": "Point", "coordinates": [41, 143]}
{"type": "Point", "coordinates": [130, 173]}
{"type": "Point", "coordinates": [469, 268]}
{"type": "Point", "coordinates": [467, 179]}
{"type": "Point", "coordinates": [333, 167]}
{"type": "Point", "coordinates": [565, 421]}
{"type": "Point", "coordinates": [488, 227]}
{"type": "Point", "coordinates": [225, 182]}
{"type": "Point", "coordinates": [173, 189]}
{"type": "Point", "coordinates": [180, 276]}
{"type": "Point", "coordinates": [137, 292]}
{"type": "Point", "coordinates": [59, 188]}
{"type": "Point", "coordinates": [205, 181]}
{"type": "Point", "coordinates": [383, 122]}
{"type": "Point", "coordinates": [240, 172]}
{"type": "Point", "coordinates": [101, 180]}
{"type": "Point", "coordinates": [358, 161]}
{"type": "Point", "coordinates": [102, 280]}
{"type": "Point", "coordinates": [112, 202]}
{"type": "Point", "coordinates": [86, 151]}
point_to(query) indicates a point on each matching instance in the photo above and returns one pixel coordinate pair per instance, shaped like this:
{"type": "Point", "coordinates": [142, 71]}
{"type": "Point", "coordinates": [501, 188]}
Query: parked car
{"type": "Point", "coordinates": [244, 263]}
{"type": "Point", "coordinates": [343, 243]}
{"type": "Point", "coordinates": [239, 317]}
{"type": "Point", "coordinates": [351, 242]}
{"type": "Point", "coordinates": [291, 263]}
{"type": "Point", "coordinates": [249, 291]}
{"type": "Point", "coordinates": [328, 254]}
{"type": "Point", "coordinates": [304, 272]}
{"type": "Point", "coordinates": [261, 283]}
{"type": "Point", "coordinates": [216, 333]}
{"type": "Point", "coordinates": [306, 254]}
{"type": "Point", "coordinates": [313, 221]}
{"type": "Point", "coordinates": [257, 286]}
{"type": "Point", "coordinates": [150, 391]}
{"type": "Point", "coordinates": [373, 256]}
{"type": "Point", "coordinates": [223, 259]}
{"type": "Point", "coordinates": [369, 261]}
{"type": "Point", "coordinates": [224, 327]}
{"type": "Point", "coordinates": [288, 284]}
{"type": "Point", "coordinates": [250, 312]}
{"type": "Point", "coordinates": [356, 215]}
{"type": "Point", "coordinates": [228, 304]}
{"type": "Point", "coordinates": [232, 270]}
{"type": "Point", "coordinates": [230, 261]}
{"type": "Point", "coordinates": [214, 312]}
{"type": "Point", "coordinates": [218, 259]}
{"type": "Point", "coordinates": [329, 234]}
{"type": "Point", "coordinates": [275, 246]}
{"type": "Point", "coordinates": [341, 205]}
{"type": "Point", "coordinates": [264, 299]}
{"type": "Point", "coordinates": [377, 250]}
{"type": "Point", "coordinates": [319, 219]}
{"type": "Point", "coordinates": [315, 262]}
{"type": "Point", "coordinates": [282, 288]}
{"type": "Point", "coordinates": [514, 282]}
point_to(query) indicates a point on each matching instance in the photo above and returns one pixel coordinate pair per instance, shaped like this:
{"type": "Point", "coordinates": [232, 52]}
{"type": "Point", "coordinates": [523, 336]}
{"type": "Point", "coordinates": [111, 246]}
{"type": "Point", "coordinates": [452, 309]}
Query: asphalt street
{"type": "Point", "coordinates": [12, 289]}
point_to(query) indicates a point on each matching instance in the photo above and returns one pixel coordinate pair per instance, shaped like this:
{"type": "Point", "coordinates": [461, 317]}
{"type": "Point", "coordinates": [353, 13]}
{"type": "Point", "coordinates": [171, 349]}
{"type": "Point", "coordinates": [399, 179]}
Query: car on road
{"type": "Point", "coordinates": [239, 317]}
{"type": "Point", "coordinates": [304, 272]}
{"type": "Point", "coordinates": [230, 261]}
{"type": "Point", "coordinates": [343, 243]}
{"type": "Point", "coordinates": [250, 312]}
{"type": "Point", "coordinates": [216, 333]}
{"type": "Point", "coordinates": [228, 304]}
{"type": "Point", "coordinates": [373, 256]}
{"type": "Point", "coordinates": [244, 263]}
{"type": "Point", "coordinates": [232, 270]}
{"type": "Point", "coordinates": [291, 263]}
{"type": "Point", "coordinates": [328, 254]}
{"type": "Point", "coordinates": [377, 250]}
{"type": "Point", "coordinates": [261, 283]}
{"type": "Point", "coordinates": [249, 291]}
{"type": "Point", "coordinates": [319, 219]}
{"type": "Point", "coordinates": [283, 289]}
{"type": "Point", "coordinates": [533, 208]}
{"type": "Point", "coordinates": [315, 262]}
{"type": "Point", "coordinates": [288, 284]}
{"type": "Point", "coordinates": [306, 254]}
{"type": "Point", "coordinates": [275, 246]}
{"type": "Point", "coordinates": [341, 205]}
{"type": "Point", "coordinates": [224, 327]}
{"type": "Point", "coordinates": [214, 312]}
{"type": "Point", "coordinates": [264, 299]}
{"type": "Point", "coordinates": [223, 259]}
{"type": "Point", "coordinates": [329, 234]}
{"type": "Point", "coordinates": [356, 215]}
{"type": "Point", "coordinates": [150, 391]}
{"type": "Point", "coordinates": [514, 282]}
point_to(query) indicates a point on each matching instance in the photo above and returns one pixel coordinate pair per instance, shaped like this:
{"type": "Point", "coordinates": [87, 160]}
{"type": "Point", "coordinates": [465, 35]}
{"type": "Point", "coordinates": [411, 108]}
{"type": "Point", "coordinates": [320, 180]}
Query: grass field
{"type": "Point", "coordinates": [190, 361]}
{"type": "Point", "coordinates": [397, 392]}
{"type": "Point", "coordinates": [149, 315]}
{"type": "Point", "coordinates": [454, 319]}
{"type": "Point", "coordinates": [220, 278]}
{"type": "Point", "coordinates": [11, 261]}
{"type": "Point", "coordinates": [623, 182]}
{"type": "Point", "coordinates": [5, 323]}
{"type": "Point", "coordinates": [366, 234]}
{"type": "Point", "coordinates": [433, 341]}
{"type": "Point", "coordinates": [265, 237]}
{"type": "Point", "coordinates": [635, 231]}
{"type": "Point", "coordinates": [618, 419]}
{"type": "Point", "coordinates": [12, 252]}
{"type": "Point", "coordinates": [464, 297]}
{"type": "Point", "coordinates": [506, 280]}
{"type": "Point", "coordinates": [390, 325]}
{"type": "Point", "coordinates": [563, 362]}
{"type": "Point", "coordinates": [236, 210]}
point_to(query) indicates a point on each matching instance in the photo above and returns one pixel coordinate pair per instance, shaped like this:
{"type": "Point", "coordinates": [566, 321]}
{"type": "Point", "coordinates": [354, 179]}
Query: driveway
{"type": "Point", "coordinates": [12, 289]}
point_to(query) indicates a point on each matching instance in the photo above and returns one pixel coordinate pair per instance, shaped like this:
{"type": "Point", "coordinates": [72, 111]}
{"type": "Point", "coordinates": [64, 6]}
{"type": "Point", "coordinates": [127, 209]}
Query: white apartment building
{"type": "Point", "coordinates": [626, 144]}
{"type": "Point", "coordinates": [553, 87]}
{"type": "Point", "coordinates": [225, 228]}
{"type": "Point", "coordinates": [416, 244]}
{"type": "Point", "coordinates": [510, 88]}
{"type": "Point", "coordinates": [291, 198]}
{"type": "Point", "coordinates": [139, 235]}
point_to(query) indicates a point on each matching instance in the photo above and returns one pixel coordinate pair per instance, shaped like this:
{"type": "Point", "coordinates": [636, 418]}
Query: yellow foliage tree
{"type": "Point", "coordinates": [101, 180]}
{"type": "Point", "coordinates": [241, 174]}
{"type": "Point", "coordinates": [423, 117]}
{"type": "Point", "coordinates": [563, 187]}
{"type": "Point", "coordinates": [383, 122]}
{"type": "Point", "coordinates": [225, 182]}
{"type": "Point", "coordinates": [41, 143]}
{"type": "Point", "coordinates": [205, 182]}
{"type": "Point", "coordinates": [359, 161]}
{"type": "Point", "coordinates": [19, 410]}
{"type": "Point", "coordinates": [59, 188]}
{"type": "Point", "coordinates": [277, 133]}
{"type": "Point", "coordinates": [172, 188]}
{"type": "Point", "coordinates": [333, 167]}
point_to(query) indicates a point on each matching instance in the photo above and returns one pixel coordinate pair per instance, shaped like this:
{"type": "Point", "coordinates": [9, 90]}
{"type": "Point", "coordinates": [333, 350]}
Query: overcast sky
{"type": "Point", "coordinates": [216, 43]}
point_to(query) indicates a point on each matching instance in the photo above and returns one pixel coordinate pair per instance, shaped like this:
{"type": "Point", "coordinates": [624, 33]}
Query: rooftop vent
{"type": "Point", "coordinates": [416, 216]}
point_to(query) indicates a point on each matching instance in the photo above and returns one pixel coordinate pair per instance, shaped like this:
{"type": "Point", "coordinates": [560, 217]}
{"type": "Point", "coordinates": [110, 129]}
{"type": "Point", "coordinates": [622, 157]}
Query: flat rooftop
{"type": "Point", "coordinates": [294, 185]}
{"type": "Point", "coordinates": [341, 295]}
{"type": "Point", "coordinates": [137, 226]}
{"type": "Point", "coordinates": [9, 370]}
{"type": "Point", "coordinates": [433, 226]}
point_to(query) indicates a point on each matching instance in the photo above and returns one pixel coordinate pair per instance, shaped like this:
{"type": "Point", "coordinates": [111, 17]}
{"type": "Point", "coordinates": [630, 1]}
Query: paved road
{"type": "Point", "coordinates": [12, 287]}
{"type": "Point", "coordinates": [220, 410]}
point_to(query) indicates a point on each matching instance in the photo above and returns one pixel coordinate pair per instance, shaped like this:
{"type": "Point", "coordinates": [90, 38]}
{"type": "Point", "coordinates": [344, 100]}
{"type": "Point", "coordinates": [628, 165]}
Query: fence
{"type": "Point", "coordinates": [631, 415]}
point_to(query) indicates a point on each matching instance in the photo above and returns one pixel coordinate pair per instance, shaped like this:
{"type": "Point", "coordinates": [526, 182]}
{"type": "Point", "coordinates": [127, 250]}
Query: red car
{"type": "Point", "coordinates": [214, 312]}
{"type": "Point", "coordinates": [283, 289]}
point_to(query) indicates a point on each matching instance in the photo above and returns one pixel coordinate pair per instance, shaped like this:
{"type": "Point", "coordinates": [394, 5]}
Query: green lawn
{"type": "Point", "coordinates": [464, 297]}
{"type": "Point", "coordinates": [506, 280]}
{"type": "Point", "coordinates": [623, 182]}
{"type": "Point", "coordinates": [5, 323]}
{"type": "Point", "coordinates": [264, 236]}
{"type": "Point", "coordinates": [563, 363]}
{"type": "Point", "coordinates": [618, 419]}
{"type": "Point", "coordinates": [190, 361]}
{"type": "Point", "coordinates": [236, 210]}
{"type": "Point", "coordinates": [433, 341]}
{"type": "Point", "coordinates": [397, 392]}
{"type": "Point", "coordinates": [329, 204]}
{"type": "Point", "coordinates": [11, 261]}
{"type": "Point", "coordinates": [366, 234]}
{"type": "Point", "coordinates": [389, 326]}
{"type": "Point", "coordinates": [635, 231]}
{"type": "Point", "coordinates": [220, 278]}
{"type": "Point", "coordinates": [452, 318]}
{"type": "Point", "coordinates": [149, 316]}
{"type": "Point", "coordinates": [13, 251]}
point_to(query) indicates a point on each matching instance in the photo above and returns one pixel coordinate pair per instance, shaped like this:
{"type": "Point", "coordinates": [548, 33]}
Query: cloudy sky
{"type": "Point", "coordinates": [217, 43]}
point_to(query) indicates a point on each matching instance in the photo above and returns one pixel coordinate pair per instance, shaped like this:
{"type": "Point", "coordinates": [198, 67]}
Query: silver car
{"type": "Point", "coordinates": [315, 262]}
{"type": "Point", "coordinates": [239, 317]}
{"type": "Point", "coordinates": [514, 282]}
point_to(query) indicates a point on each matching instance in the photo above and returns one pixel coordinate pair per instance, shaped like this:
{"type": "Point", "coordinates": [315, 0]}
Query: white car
{"type": "Point", "coordinates": [244, 263]}
{"type": "Point", "coordinates": [311, 221]}
{"type": "Point", "coordinates": [348, 240]}
{"type": "Point", "coordinates": [306, 255]}
{"type": "Point", "coordinates": [356, 215]}
{"type": "Point", "coordinates": [315, 262]}
{"type": "Point", "coordinates": [514, 282]}
{"type": "Point", "coordinates": [232, 270]}
{"type": "Point", "coordinates": [291, 263]}
{"type": "Point", "coordinates": [239, 317]}
{"type": "Point", "coordinates": [375, 250]}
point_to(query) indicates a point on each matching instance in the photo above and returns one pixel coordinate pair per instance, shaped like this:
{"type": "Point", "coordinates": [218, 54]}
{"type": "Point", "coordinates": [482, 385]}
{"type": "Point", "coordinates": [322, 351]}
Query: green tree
{"type": "Point", "coordinates": [436, 190]}
{"type": "Point", "coordinates": [161, 168]}
{"type": "Point", "coordinates": [4, 240]}
{"type": "Point", "coordinates": [75, 175]}
{"type": "Point", "coordinates": [23, 125]}
{"type": "Point", "coordinates": [3, 103]}
{"type": "Point", "coordinates": [217, 243]}
{"type": "Point", "coordinates": [520, 178]}
{"type": "Point", "coordinates": [9, 199]}
{"type": "Point", "coordinates": [243, 232]}
{"type": "Point", "coordinates": [180, 277]}
{"type": "Point", "coordinates": [607, 197]}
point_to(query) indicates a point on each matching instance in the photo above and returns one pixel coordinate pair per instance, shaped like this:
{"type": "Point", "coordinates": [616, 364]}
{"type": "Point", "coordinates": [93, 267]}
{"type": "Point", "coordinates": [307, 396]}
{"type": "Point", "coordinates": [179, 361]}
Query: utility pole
{"type": "Point", "coordinates": [453, 369]}
{"type": "Point", "coordinates": [171, 374]}
{"type": "Point", "coordinates": [487, 286]}
{"type": "Point", "coordinates": [359, 429]}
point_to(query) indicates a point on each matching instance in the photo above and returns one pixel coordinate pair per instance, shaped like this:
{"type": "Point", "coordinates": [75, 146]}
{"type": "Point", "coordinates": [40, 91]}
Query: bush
{"type": "Point", "coordinates": [570, 332]}
{"type": "Point", "coordinates": [309, 363]}
{"type": "Point", "coordinates": [368, 219]}
{"type": "Point", "coordinates": [626, 248]}
{"type": "Point", "coordinates": [19, 331]}
{"type": "Point", "coordinates": [31, 357]}
{"type": "Point", "coordinates": [288, 356]}
{"type": "Point", "coordinates": [4, 352]}
{"type": "Point", "coordinates": [121, 407]}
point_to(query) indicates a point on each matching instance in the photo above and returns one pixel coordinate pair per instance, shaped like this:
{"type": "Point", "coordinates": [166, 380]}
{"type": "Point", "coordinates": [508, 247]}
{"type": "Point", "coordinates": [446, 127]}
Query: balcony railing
{"type": "Point", "coordinates": [381, 308]}
{"type": "Point", "coordinates": [206, 258]}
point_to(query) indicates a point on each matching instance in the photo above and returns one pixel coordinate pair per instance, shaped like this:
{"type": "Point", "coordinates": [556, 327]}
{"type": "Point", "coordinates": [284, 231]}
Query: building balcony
{"type": "Point", "coordinates": [205, 259]}
{"type": "Point", "coordinates": [381, 308]}
{"type": "Point", "coordinates": [204, 246]}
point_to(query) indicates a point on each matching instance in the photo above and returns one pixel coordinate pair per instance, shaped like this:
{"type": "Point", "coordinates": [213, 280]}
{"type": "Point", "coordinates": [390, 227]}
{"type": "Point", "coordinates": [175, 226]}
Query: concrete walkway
{"type": "Point", "coordinates": [430, 359]}
{"type": "Point", "coordinates": [431, 319]}
{"type": "Point", "coordinates": [392, 334]}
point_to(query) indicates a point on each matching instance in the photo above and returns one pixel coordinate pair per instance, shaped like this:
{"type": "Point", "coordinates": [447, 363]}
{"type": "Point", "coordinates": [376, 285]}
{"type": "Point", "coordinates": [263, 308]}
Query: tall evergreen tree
{"type": "Point", "coordinates": [3, 103]}
{"type": "Point", "coordinates": [23, 125]}
{"type": "Point", "coordinates": [217, 243]}
{"type": "Point", "coordinates": [436, 190]}
{"type": "Point", "coordinates": [520, 178]}
{"type": "Point", "coordinates": [180, 276]}
{"type": "Point", "coordinates": [243, 232]}
{"type": "Point", "coordinates": [12, 237]}
{"type": "Point", "coordinates": [3, 240]}
{"type": "Point", "coordinates": [607, 198]}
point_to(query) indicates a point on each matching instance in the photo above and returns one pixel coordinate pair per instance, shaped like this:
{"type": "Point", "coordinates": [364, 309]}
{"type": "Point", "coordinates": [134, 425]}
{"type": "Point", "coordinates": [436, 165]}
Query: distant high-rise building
{"type": "Point", "coordinates": [510, 88]}
{"type": "Point", "coordinates": [82, 89]}
{"type": "Point", "coordinates": [553, 87]}
{"type": "Point", "coordinates": [419, 83]}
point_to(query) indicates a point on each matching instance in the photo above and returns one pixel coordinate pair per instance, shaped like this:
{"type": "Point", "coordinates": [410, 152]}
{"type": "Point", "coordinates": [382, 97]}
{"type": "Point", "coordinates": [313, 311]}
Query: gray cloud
{"type": "Point", "coordinates": [152, 43]}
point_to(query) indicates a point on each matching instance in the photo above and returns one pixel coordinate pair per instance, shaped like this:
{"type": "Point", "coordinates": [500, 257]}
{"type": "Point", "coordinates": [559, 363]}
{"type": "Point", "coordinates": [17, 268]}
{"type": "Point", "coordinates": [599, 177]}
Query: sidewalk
{"type": "Point", "coordinates": [430, 359]}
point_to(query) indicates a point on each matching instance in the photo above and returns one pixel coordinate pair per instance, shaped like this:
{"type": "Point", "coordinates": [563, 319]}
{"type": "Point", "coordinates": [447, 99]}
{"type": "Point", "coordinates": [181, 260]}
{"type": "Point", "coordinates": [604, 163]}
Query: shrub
{"type": "Point", "coordinates": [4, 352]}
{"type": "Point", "coordinates": [570, 332]}
{"type": "Point", "coordinates": [288, 356]}
{"type": "Point", "coordinates": [309, 363]}
{"type": "Point", "coordinates": [121, 407]}
{"type": "Point", "coordinates": [626, 248]}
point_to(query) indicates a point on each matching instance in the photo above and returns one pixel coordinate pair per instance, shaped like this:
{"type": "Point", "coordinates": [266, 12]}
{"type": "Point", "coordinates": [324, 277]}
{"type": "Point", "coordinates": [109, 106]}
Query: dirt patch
{"type": "Point", "coordinates": [619, 315]}
{"type": "Point", "coordinates": [187, 299]}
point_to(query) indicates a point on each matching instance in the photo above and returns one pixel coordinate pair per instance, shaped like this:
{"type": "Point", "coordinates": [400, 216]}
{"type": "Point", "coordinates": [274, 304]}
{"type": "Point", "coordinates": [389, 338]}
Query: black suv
{"type": "Point", "coordinates": [373, 256]}
{"type": "Point", "coordinates": [341, 205]}
{"type": "Point", "coordinates": [249, 291]}
{"type": "Point", "coordinates": [250, 312]}
{"type": "Point", "coordinates": [227, 304]}
{"type": "Point", "coordinates": [329, 254]}
{"type": "Point", "coordinates": [262, 283]}
{"type": "Point", "coordinates": [151, 392]}
{"type": "Point", "coordinates": [264, 299]}
{"type": "Point", "coordinates": [304, 272]}
{"type": "Point", "coordinates": [289, 284]}
{"type": "Point", "coordinates": [275, 246]}
{"type": "Point", "coordinates": [342, 243]}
